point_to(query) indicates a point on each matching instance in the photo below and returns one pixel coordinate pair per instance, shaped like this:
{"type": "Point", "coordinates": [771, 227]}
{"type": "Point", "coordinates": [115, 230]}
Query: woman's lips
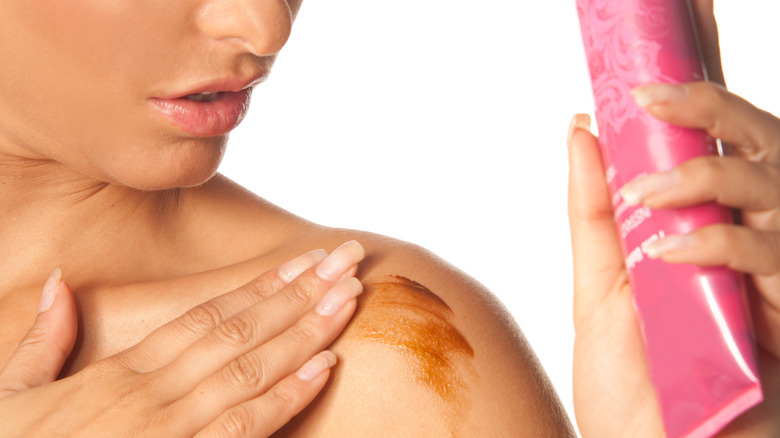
{"type": "Point", "coordinates": [211, 117]}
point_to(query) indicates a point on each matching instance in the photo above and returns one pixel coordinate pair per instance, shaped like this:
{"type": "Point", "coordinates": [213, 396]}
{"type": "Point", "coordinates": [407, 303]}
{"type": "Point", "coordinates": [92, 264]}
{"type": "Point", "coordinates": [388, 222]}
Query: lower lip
{"type": "Point", "coordinates": [206, 119]}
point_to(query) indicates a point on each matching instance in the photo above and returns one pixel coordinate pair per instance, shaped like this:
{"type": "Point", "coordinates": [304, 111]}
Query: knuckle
{"type": "Point", "coordinates": [237, 330]}
{"type": "Point", "coordinates": [283, 397]}
{"type": "Point", "coordinates": [261, 287]}
{"type": "Point", "coordinates": [720, 237]}
{"type": "Point", "coordinates": [238, 422]}
{"type": "Point", "coordinates": [245, 372]}
{"type": "Point", "coordinates": [36, 336]}
{"type": "Point", "coordinates": [299, 292]}
{"type": "Point", "coordinates": [714, 92]}
{"type": "Point", "coordinates": [702, 176]}
{"type": "Point", "coordinates": [713, 100]}
{"type": "Point", "coordinates": [726, 245]}
{"type": "Point", "coordinates": [773, 175]}
{"type": "Point", "coordinates": [706, 169]}
{"type": "Point", "coordinates": [773, 240]}
{"type": "Point", "coordinates": [305, 331]}
{"type": "Point", "coordinates": [726, 236]}
{"type": "Point", "coordinates": [109, 367]}
{"type": "Point", "coordinates": [202, 318]}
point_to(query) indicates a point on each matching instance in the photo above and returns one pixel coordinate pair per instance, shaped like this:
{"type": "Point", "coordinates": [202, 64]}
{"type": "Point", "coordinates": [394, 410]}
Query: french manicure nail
{"type": "Point", "coordinates": [50, 290]}
{"type": "Point", "coordinates": [295, 267]}
{"type": "Point", "coordinates": [338, 296]}
{"type": "Point", "coordinates": [579, 121]}
{"type": "Point", "coordinates": [340, 260]}
{"type": "Point", "coordinates": [316, 366]}
{"type": "Point", "coordinates": [668, 244]}
{"type": "Point", "coordinates": [636, 191]}
{"type": "Point", "coordinates": [653, 94]}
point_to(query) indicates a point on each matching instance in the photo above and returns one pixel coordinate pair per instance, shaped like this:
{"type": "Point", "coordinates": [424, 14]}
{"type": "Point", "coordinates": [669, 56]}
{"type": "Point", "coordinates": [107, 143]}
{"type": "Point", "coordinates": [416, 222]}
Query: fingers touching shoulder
{"type": "Point", "coordinates": [435, 354]}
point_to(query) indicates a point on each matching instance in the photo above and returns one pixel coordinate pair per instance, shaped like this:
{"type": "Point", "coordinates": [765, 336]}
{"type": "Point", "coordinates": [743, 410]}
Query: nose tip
{"type": "Point", "coordinates": [262, 25]}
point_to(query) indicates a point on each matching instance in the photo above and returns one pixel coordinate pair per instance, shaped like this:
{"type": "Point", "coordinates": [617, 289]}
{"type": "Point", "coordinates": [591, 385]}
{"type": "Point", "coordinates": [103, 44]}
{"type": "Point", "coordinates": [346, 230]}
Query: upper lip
{"type": "Point", "coordinates": [224, 84]}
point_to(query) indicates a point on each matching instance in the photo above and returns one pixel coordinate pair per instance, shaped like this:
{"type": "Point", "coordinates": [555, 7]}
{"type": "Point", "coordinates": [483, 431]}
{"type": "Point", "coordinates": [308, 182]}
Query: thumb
{"type": "Point", "coordinates": [40, 355]}
{"type": "Point", "coordinates": [598, 263]}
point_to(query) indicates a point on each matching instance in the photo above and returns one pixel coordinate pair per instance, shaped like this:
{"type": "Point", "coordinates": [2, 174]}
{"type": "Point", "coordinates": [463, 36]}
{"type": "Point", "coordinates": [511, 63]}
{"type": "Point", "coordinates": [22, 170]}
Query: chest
{"type": "Point", "coordinates": [110, 319]}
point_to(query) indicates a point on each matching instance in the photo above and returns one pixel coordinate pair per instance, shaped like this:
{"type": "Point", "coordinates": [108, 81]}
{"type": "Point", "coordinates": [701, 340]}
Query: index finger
{"type": "Point", "coordinates": [283, 323]}
{"type": "Point", "coordinates": [169, 341]}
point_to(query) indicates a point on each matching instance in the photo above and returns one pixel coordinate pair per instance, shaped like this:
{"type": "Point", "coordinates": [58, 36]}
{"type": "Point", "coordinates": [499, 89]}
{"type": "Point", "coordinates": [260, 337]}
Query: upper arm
{"type": "Point", "coordinates": [429, 353]}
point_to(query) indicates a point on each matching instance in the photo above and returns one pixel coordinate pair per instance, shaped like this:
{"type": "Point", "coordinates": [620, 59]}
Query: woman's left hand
{"type": "Point", "coordinates": [747, 179]}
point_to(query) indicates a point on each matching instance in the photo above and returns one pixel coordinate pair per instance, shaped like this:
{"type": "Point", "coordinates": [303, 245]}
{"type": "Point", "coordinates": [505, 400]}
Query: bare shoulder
{"type": "Point", "coordinates": [430, 352]}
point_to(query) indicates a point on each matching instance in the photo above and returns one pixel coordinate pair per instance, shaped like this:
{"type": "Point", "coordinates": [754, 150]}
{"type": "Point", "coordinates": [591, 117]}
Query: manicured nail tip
{"type": "Point", "coordinates": [641, 97]}
{"type": "Point", "coordinates": [316, 366]}
{"type": "Point", "coordinates": [579, 121]}
{"type": "Point", "coordinates": [647, 95]}
{"type": "Point", "coordinates": [50, 290]}
{"type": "Point", "coordinates": [330, 358]}
{"type": "Point", "coordinates": [288, 271]}
{"type": "Point", "coordinates": [338, 296]}
{"type": "Point", "coordinates": [638, 190]}
{"type": "Point", "coordinates": [340, 261]}
{"type": "Point", "coordinates": [630, 196]}
{"type": "Point", "coordinates": [669, 244]}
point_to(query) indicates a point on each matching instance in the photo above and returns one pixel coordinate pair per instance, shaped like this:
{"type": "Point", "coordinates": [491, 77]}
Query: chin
{"type": "Point", "coordinates": [167, 181]}
{"type": "Point", "coordinates": [187, 167]}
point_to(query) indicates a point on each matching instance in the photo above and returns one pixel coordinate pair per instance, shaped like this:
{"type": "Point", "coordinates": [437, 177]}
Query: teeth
{"type": "Point", "coordinates": [202, 97]}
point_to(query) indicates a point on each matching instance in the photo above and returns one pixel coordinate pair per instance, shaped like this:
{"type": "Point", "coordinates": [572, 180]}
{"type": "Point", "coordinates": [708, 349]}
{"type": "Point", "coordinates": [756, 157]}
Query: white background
{"type": "Point", "coordinates": [443, 123]}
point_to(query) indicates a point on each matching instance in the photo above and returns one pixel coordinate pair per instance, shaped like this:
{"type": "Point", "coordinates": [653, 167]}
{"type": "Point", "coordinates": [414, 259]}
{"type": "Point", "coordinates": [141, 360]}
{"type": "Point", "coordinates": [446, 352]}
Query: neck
{"type": "Point", "coordinates": [55, 217]}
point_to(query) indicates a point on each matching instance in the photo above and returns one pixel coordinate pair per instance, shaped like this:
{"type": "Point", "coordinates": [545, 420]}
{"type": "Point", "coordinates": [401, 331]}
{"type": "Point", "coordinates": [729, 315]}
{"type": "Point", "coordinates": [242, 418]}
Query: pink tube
{"type": "Point", "coordinates": [697, 331]}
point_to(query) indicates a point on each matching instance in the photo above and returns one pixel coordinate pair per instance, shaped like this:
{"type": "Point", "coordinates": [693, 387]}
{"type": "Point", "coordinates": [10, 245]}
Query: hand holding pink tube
{"type": "Point", "coordinates": [613, 391]}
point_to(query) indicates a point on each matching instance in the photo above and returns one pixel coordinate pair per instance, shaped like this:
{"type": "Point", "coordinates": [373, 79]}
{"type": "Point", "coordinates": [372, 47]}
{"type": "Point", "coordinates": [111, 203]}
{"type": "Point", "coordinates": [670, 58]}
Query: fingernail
{"type": "Point", "coordinates": [636, 191]}
{"type": "Point", "coordinates": [295, 267]}
{"type": "Point", "coordinates": [340, 260]}
{"type": "Point", "coordinates": [653, 94]}
{"type": "Point", "coordinates": [50, 290]}
{"type": "Point", "coordinates": [316, 366]}
{"type": "Point", "coordinates": [338, 296]}
{"type": "Point", "coordinates": [579, 121]}
{"type": "Point", "coordinates": [671, 243]}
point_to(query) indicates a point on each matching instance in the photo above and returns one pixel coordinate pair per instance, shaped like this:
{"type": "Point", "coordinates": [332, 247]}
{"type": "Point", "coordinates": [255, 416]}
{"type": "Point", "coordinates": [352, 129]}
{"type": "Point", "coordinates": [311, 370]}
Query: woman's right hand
{"type": "Point", "coordinates": [241, 364]}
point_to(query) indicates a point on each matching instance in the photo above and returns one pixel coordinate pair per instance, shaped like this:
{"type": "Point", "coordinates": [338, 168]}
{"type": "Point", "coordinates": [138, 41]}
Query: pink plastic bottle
{"type": "Point", "coordinates": [697, 332]}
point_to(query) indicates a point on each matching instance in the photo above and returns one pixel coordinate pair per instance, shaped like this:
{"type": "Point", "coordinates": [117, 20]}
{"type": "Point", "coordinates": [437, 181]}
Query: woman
{"type": "Point", "coordinates": [428, 353]}
{"type": "Point", "coordinates": [113, 120]}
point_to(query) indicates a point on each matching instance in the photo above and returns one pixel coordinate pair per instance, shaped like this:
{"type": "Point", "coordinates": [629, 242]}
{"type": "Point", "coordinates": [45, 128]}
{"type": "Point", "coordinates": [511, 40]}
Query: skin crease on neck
{"type": "Point", "coordinates": [94, 180]}
{"type": "Point", "coordinates": [84, 162]}
{"type": "Point", "coordinates": [84, 159]}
